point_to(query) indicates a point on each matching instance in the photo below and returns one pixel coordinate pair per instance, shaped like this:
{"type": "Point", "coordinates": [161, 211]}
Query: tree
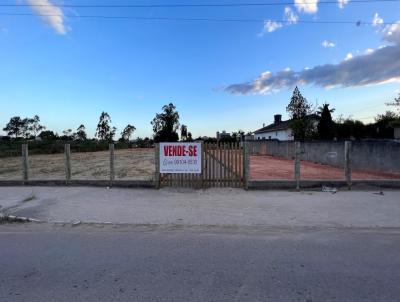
{"type": "Point", "coordinates": [112, 134]}
{"type": "Point", "coordinates": [48, 135]}
{"type": "Point", "coordinates": [67, 135]}
{"type": "Point", "coordinates": [184, 132]}
{"type": "Point", "coordinates": [166, 124]}
{"type": "Point", "coordinates": [238, 136]}
{"type": "Point", "coordinates": [395, 103]}
{"type": "Point", "coordinates": [104, 130]}
{"type": "Point", "coordinates": [299, 109]}
{"type": "Point", "coordinates": [388, 116]}
{"type": "Point", "coordinates": [81, 133]}
{"type": "Point", "coordinates": [384, 124]}
{"type": "Point", "coordinates": [127, 132]}
{"type": "Point", "coordinates": [350, 129]}
{"type": "Point", "coordinates": [34, 125]}
{"type": "Point", "coordinates": [15, 126]}
{"type": "Point", "coordinates": [25, 129]}
{"type": "Point", "coordinates": [189, 137]}
{"type": "Point", "coordinates": [326, 124]}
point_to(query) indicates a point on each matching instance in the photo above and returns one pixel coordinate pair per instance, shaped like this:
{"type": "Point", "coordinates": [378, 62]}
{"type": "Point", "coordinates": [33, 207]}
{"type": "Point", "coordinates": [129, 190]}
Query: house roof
{"type": "Point", "coordinates": [283, 125]}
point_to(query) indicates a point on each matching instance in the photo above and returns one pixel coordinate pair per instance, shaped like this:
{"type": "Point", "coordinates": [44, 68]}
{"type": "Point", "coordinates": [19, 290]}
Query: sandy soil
{"type": "Point", "coordinates": [139, 164]}
{"type": "Point", "coordinates": [135, 164]}
{"type": "Point", "coordinates": [264, 167]}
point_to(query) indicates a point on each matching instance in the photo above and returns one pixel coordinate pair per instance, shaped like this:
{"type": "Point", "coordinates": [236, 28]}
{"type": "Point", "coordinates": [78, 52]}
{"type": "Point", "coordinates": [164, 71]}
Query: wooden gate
{"type": "Point", "coordinates": [222, 166]}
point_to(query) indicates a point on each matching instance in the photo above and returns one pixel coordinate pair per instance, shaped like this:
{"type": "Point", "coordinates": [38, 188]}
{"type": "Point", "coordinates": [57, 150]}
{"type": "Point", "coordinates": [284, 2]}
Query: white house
{"type": "Point", "coordinates": [279, 130]}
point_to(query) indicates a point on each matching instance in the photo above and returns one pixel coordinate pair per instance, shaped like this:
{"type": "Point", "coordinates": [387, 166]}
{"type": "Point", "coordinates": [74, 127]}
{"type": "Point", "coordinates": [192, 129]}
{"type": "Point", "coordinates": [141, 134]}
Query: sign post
{"type": "Point", "coordinates": [180, 158]}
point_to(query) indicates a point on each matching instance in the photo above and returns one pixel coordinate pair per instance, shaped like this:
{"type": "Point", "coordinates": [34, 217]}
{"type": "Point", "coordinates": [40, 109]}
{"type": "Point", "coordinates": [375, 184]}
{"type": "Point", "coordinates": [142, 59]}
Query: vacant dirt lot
{"type": "Point", "coordinates": [265, 167]}
{"type": "Point", "coordinates": [135, 164]}
{"type": "Point", "coordinates": [139, 164]}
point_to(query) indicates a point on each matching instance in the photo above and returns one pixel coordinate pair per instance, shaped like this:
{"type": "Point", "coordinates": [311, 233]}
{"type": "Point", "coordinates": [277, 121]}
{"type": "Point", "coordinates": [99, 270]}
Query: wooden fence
{"type": "Point", "coordinates": [222, 166]}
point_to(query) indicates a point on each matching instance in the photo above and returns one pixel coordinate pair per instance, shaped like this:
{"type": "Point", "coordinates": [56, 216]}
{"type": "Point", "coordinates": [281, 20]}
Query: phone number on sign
{"type": "Point", "coordinates": [185, 162]}
{"type": "Point", "coordinates": [180, 162]}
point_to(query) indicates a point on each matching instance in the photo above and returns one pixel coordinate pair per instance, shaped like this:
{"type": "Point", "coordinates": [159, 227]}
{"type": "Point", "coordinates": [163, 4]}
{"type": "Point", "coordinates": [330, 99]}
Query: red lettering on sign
{"type": "Point", "coordinates": [180, 150]}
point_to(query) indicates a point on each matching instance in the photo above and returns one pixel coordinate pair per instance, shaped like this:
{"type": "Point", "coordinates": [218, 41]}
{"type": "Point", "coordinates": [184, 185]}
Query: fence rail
{"type": "Point", "coordinates": [223, 165]}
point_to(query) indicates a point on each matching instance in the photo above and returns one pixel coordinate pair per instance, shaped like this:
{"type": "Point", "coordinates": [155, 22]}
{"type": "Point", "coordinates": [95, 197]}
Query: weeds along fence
{"type": "Point", "coordinates": [222, 166]}
{"type": "Point", "coordinates": [251, 164]}
{"type": "Point", "coordinates": [12, 148]}
{"type": "Point", "coordinates": [130, 167]}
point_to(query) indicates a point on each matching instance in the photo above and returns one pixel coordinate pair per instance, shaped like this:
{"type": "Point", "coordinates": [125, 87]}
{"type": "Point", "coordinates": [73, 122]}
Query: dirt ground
{"type": "Point", "coordinates": [265, 167]}
{"type": "Point", "coordinates": [138, 164]}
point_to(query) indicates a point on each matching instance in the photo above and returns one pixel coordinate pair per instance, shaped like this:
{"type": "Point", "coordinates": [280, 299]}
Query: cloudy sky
{"type": "Point", "coordinates": [57, 62]}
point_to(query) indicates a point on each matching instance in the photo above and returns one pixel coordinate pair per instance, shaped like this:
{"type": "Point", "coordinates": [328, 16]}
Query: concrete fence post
{"type": "Point", "coordinates": [112, 168]}
{"type": "Point", "coordinates": [297, 164]}
{"type": "Point", "coordinates": [67, 152]}
{"type": "Point", "coordinates": [203, 164]}
{"type": "Point", "coordinates": [25, 163]}
{"type": "Point", "coordinates": [246, 164]}
{"type": "Point", "coordinates": [347, 163]}
{"type": "Point", "coordinates": [157, 166]}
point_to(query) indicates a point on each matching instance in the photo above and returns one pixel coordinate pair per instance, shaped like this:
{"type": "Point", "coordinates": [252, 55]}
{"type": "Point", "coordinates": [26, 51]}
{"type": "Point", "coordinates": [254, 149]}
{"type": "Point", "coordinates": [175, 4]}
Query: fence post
{"type": "Point", "coordinates": [112, 171]}
{"type": "Point", "coordinates": [25, 163]}
{"type": "Point", "coordinates": [347, 163]}
{"type": "Point", "coordinates": [157, 164]}
{"type": "Point", "coordinates": [203, 164]}
{"type": "Point", "coordinates": [297, 164]}
{"type": "Point", "coordinates": [246, 165]}
{"type": "Point", "coordinates": [67, 151]}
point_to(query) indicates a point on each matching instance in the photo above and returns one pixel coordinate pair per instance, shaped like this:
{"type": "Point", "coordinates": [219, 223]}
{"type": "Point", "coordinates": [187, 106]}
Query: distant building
{"type": "Point", "coordinates": [279, 130]}
{"type": "Point", "coordinates": [222, 135]}
{"type": "Point", "coordinates": [249, 137]}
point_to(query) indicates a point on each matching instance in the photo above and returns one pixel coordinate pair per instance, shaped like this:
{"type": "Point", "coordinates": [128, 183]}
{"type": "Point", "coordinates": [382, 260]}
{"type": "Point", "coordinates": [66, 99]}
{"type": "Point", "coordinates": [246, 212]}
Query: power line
{"type": "Point", "coordinates": [255, 4]}
{"type": "Point", "coordinates": [358, 23]}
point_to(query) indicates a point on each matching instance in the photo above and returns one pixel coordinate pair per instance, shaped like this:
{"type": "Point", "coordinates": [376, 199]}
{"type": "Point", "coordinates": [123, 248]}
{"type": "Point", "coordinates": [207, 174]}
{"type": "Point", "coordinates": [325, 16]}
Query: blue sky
{"type": "Point", "coordinates": [67, 69]}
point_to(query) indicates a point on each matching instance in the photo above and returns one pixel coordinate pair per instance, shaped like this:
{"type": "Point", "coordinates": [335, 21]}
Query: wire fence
{"type": "Point", "coordinates": [267, 161]}
{"type": "Point", "coordinates": [128, 164]}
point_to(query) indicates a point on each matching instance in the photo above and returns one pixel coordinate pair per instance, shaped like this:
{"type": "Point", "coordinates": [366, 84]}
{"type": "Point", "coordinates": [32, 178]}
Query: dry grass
{"type": "Point", "coordinates": [137, 164]}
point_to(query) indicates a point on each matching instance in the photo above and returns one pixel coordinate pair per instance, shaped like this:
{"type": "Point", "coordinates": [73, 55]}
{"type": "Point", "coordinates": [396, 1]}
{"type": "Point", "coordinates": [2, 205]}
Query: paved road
{"type": "Point", "coordinates": [43, 263]}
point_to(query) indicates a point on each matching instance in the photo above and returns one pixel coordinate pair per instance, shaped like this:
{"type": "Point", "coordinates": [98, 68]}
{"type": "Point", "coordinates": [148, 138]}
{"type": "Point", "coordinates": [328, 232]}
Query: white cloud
{"type": "Point", "coordinates": [270, 26]}
{"type": "Point", "coordinates": [349, 56]}
{"type": "Point", "coordinates": [306, 6]}
{"type": "Point", "coordinates": [291, 16]}
{"type": "Point", "coordinates": [377, 66]}
{"type": "Point", "coordinates": [392, 33]}
{"type": "Point", "coordinates": [343, 3]}
{"type": "Point", "coordinates": [377, 21]}
{"type": "Point", "coordinates": [328, 44]}
{"type": "Point", "coordinates": [369, 51]}
{"type": "Point", "coordinates": [50, 13]}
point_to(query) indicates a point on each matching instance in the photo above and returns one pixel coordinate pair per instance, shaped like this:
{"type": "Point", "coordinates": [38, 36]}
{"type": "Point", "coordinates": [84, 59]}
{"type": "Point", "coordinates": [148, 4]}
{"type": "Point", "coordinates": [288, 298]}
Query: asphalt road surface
{"type": "Point", "coordinates": [42, 263]}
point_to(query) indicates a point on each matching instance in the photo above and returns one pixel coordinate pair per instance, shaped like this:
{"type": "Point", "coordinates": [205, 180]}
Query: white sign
{"type": "Point", "coordinates": [180, 158]}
